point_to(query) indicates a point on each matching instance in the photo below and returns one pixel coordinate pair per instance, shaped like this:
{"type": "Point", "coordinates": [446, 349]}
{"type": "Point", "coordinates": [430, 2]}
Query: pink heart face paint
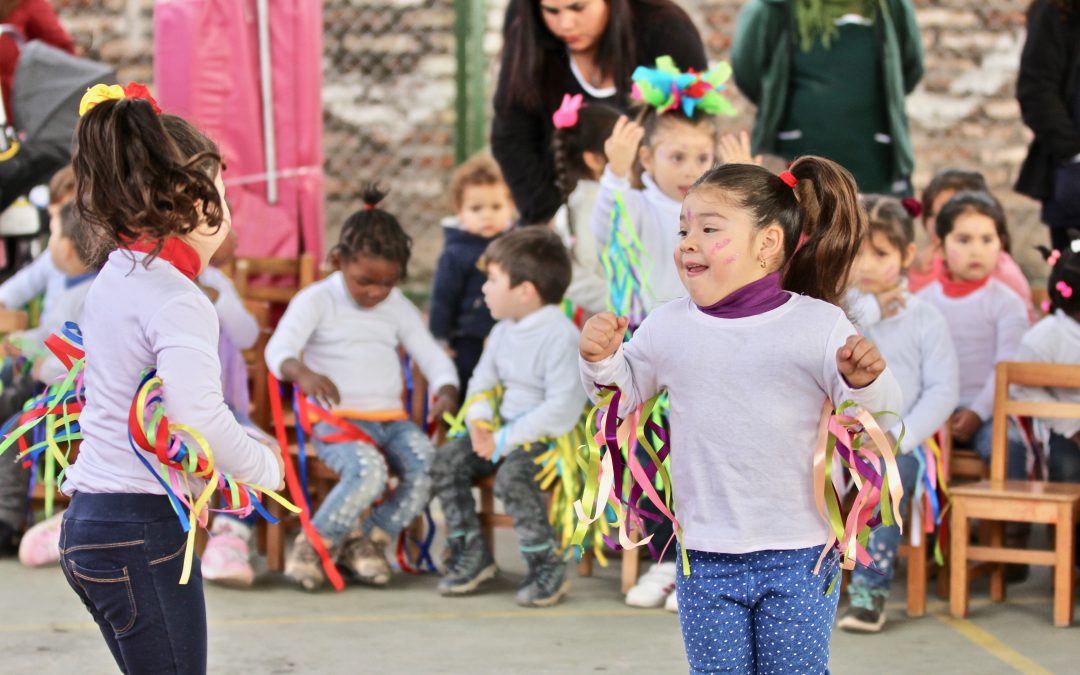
{"type": "Point", "coordinates": [730, 259]}
{"type": "Point", "coordinates": [719, 246]}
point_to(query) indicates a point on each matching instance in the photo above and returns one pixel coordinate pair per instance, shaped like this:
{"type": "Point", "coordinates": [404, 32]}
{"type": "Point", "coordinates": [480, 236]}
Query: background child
{"type": "Point", "coordinates": [530, 354]}
{"type": "Point", "coordinates": [674, 151]}
{"type": "Point", "coordinates": [580, 133]}
{"type": "Point", "coordinates": [484, 209]}
{"type": "Point", "coordinates": [348, 329]}
{"type": "Point", "coordinates": [759, 335]}
{"type": "Point", "coordinates": [914, 339]}
{"type": "Point", "coordinates": [121, 547]}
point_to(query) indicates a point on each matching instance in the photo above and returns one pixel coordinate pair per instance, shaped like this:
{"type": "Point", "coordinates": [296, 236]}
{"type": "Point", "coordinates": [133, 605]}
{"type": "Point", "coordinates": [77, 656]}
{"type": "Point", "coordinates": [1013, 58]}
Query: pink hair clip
{"type": "Point", "coordinates": [789, 178]}
{"type": "Point", "coordinates": [1065, 289]}
{"type": "Point", "coordinates": [1054, 256]}
{"type": "Point", "coordinates": [567, 114]}
{"type": "Point", "coordinates": [1045, 306]}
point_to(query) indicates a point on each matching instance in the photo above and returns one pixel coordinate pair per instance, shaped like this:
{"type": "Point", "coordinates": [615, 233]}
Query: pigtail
{"type": "Point", "coordinates": [564, 181]}
{"type": "Point", "coordinates": [373, 231]}
{"type": "Point", "coordinates": [1063, 286]}
{"type": "Point", "coordinates": [833, 227]}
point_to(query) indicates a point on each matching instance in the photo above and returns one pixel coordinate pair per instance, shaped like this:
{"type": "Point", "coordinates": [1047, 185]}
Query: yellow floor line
{"type": "Point", "coordinates": [990, 644]}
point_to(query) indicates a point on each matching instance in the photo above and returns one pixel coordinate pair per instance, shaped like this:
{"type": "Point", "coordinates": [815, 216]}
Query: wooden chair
{"type": "Point", "coordinates": [286, 275]}
{"type": "Point", "coordinates": [998, 499]}
{"type": "Point", "coordinates": [12, 320]}
{"type": "Point", "coordinates": [255, 361]}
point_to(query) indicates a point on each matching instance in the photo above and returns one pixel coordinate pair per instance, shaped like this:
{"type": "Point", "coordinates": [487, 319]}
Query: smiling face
{"type": "Point", "coordinates": [720, 248]}
{"type": "Point", "coordinates": [368, 278]}
{"type": "Point", "coordinates": [677, 155]}
{"type": "Point", "coordinates": [486, 210]}
{"type": "Point", "coordinates": [578, 23]}
{"type": "Point", "coordinates": [973, 247]}
{"type": "Point", "coordinates": [879, 265]}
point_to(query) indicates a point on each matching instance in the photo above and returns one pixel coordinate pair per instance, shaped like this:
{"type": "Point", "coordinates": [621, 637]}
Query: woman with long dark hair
{"type": "Point", "coordinates": [589, 47]}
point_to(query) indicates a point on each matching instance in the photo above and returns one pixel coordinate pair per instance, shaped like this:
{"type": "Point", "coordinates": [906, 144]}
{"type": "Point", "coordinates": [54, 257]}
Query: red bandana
{"type": "Point", "coordinates": [178, 253]}
{"type": "Point", "coordinates": [959, 289]}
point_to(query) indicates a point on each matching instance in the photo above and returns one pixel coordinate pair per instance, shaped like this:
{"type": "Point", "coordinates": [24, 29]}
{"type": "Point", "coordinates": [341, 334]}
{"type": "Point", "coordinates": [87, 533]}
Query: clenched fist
{"type": "Point", "coordinates": [601, 336]}
{"type": "Point", "coordinates": [859, 361]}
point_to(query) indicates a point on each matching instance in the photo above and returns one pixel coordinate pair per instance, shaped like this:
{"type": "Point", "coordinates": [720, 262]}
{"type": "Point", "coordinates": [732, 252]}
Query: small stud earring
{"type": "Point", "coordinates": [761, 261]}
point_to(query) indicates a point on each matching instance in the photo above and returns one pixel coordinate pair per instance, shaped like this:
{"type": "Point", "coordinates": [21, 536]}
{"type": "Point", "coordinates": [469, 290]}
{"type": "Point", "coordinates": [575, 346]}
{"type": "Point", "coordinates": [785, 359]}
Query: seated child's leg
{"type": "Point", "coordinates": [1064, 461]}
{"type": "Point", "coordinates": [453, 471]}
{"type": "Point", "coordinates": [408, 451]}
{"type": "Point", "coordinates": [793, 616]}
{"type": "Point", "coordinates": [14, 485]}
{"type": "Point", "coordinates": [715, 613]}
{"type": "Point", "coordinates": [362, 479]}
{"type": "Point", "coordinates": [884, 541]}
{"type": "Point", "coordinates": [1016, 458]}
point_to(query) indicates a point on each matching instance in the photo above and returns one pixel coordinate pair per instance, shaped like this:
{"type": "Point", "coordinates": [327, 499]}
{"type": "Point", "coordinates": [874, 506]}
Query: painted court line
{"type": "Point", "coordinates": [990, 644]}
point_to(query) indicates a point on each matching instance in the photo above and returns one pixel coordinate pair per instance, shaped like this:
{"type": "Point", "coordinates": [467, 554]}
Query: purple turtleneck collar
{"type": "Point", "coordinates": [752, 299]}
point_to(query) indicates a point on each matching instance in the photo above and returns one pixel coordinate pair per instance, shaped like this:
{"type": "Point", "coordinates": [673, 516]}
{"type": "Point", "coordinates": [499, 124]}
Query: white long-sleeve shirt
{"type": "Point", "coordinates": [357, 348]}
{"type": "Point", "coordinates": [236, 321]}
{"type": "Point", "coordinates": [535, 360]}
{"type": "Point", "coordinates": [746, 401]}
{"type": "Point", "coordinates": [919, 350]}
{"type": "Point", "coordinates": [1055, 339]}
{"type": "Point", "coordinates": [40, 276]}
{"type": "Point", "coordinates": [136, 317]}
{"type": "Point", "coordinates": [588, 283]}
{"type": "Point", "coordinates": [655, 218]}
{"type": "Point", "coordinates": [67, 306]}
{"type": "Point", "coordinates": [986, 327]}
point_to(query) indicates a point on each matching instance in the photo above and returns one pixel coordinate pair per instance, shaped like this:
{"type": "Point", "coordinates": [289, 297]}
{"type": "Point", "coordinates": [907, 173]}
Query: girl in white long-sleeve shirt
{"type": "Point", "coordinates": [121, 548]}
{"type": "Point", "coordinates": [339, 340]}
{"type": "Point", "coordinates": [914, 338]}
{"type": "Point", "coordinates": [748, 361]}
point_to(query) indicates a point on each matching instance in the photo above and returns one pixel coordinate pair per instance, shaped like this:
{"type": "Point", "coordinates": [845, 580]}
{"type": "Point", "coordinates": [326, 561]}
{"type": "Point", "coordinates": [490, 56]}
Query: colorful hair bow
{"type": "Point", "coordinates": [1053, 258]}
{"type": "Point", "coordinates": [567, 114]}
{"type": "Point", "coordinates": [667, 88]}
{"type": "Point", "coordinates": [100, 93]}
{"type": "Point", "coordinates": [913, 206]}
{"type": "Point", "coordinates": [1065, 289]}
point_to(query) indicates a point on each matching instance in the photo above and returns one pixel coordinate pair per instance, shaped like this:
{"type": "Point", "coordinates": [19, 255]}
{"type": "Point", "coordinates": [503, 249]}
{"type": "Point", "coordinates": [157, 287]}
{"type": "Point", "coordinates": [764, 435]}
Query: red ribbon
{"type": "Point", "coordinates": [174, 251]}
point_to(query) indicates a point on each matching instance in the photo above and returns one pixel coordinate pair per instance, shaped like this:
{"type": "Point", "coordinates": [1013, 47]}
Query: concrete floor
{"type": "Point", "coordinates": [409, 628]}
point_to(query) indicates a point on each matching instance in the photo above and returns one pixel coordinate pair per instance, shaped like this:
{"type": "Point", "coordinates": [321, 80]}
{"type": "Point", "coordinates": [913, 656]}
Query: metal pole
{"type": "Point", "coordinates": [266, 82]}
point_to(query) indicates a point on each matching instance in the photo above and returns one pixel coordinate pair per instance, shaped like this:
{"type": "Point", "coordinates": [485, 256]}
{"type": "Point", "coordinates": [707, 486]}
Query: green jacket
{"type": "Point", "coordinates": [765, 36]}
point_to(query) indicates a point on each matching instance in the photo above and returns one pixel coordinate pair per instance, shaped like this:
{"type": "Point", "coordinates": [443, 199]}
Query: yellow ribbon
{"type": "Point", "coordinates": [100, 93]}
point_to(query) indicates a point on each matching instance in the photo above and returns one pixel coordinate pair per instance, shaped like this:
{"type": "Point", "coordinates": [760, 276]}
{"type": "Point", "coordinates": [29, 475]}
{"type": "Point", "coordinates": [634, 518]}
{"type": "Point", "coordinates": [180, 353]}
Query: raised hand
{"type": "Point", "coordinates": [601, 336]}
{"type": "Point", "coordinates": [622, 146]}
{"type": "Point", "coordinates": [859, 361]}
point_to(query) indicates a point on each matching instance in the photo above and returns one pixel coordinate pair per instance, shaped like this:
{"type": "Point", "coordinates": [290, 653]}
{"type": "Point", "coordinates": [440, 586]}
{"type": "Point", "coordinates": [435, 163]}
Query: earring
{"type": "Point", "coordinates": [761, 261]}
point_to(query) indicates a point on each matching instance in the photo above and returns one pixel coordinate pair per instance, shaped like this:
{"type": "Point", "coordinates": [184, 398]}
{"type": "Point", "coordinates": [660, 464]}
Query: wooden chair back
{"type": "Point", "coordinates": [1049, 375]}
{"type": "Point", "coordinates": [286, 277]}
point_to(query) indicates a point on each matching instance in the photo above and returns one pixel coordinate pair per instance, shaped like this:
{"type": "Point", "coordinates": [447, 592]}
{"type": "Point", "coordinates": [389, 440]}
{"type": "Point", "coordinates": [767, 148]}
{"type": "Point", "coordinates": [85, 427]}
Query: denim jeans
{"type": "Point", "coordinates": [884, 541]}
{"type": "Point", "coordinates": [1016, 455]}
{"type": "Point", "coordinates": [123, 554]}
{"type": "Point", "coordinates": [362, 476]}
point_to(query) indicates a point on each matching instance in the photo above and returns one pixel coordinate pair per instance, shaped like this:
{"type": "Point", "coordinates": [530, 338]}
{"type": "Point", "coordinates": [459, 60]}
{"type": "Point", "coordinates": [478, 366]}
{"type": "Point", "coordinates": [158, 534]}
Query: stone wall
{"type": "Point", "coordinates": [389, 94]}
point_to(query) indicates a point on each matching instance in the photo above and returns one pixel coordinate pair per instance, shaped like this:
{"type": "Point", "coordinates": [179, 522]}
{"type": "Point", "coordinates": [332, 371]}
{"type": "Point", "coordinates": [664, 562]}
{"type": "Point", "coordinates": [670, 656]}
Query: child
{"type": "Point", "coordinates": [915, 341]}
{"type": "Point", "coordinates": [530, 355]}
{"type": "Point", "coordinates": [348, 329]}
{"type": "Point", "coordinates": [748, 360]}
{"type": "Point", "coordinates": [674, 151]}
{"type": "Point", "coordinates": [928, 262]}
{"type": "Point", "coordinates": [986, 319]}
{"type": "Point", "coordinates": [121, 547]}
{"type": "Point", "coordinates": [578, 145]}
{"type": "Point", "coordinates": [484, 209]}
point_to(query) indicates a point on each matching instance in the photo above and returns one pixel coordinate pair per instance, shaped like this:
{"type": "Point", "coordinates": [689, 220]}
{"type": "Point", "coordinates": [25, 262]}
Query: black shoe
{"type": "Point", "coordinates": [547, 580]}
{"type": "Point", "coordinates": [474, 566]}
{"type": "Point", "coordinates": [1016, 573]}
{"type": "Point", "coordinates": [9, 541]}
{"type": "Point", "coordinates": [867, 611]}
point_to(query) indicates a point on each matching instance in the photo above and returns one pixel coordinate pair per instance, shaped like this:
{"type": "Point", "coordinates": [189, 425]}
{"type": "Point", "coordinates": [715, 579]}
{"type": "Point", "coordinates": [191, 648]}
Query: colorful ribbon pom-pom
{"type": "Point", "coordinates": [666, 88]}
{"type": "Point", "coordinates": [567, 114]}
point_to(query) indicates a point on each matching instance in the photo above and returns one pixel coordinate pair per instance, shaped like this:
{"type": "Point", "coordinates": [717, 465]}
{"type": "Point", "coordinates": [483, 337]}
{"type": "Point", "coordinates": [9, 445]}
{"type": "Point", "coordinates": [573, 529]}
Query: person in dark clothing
{"type": "Point", "coordinates": [459, 318]}
{"type": "Point", "coordinates": [1049, 95]}
{"type": "Point", "coordinates": [589, 47]}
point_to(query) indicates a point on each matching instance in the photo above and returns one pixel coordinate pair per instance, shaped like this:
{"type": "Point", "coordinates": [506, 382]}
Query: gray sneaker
{"type": "Point", "coordinates": [866, 614]}
{"type": "Point", "coordinates": [303, 565]}
{"type": "Point", "coordinates": [365, 559]}
{"type": "Point", "coordinates": [472, 566]}
{"type": "Point", "coordinates": [548, 580]}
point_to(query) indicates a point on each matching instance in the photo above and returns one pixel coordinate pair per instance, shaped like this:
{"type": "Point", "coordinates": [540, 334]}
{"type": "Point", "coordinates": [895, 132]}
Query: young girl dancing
{"type": "Point", "coordinates": [748, 361]}
{"type": "Point", "coordinates": [121, 548]}
{"type": "Point", "coordinates": [339, 340]}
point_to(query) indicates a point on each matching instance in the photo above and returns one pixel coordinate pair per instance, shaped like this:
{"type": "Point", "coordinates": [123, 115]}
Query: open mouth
{"type": "Point", "coordinates": [695, 269]}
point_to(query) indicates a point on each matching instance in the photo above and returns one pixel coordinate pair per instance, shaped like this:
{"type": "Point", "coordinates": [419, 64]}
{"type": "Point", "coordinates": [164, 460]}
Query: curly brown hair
{"type": "Point", "coordinates": [134, 183]}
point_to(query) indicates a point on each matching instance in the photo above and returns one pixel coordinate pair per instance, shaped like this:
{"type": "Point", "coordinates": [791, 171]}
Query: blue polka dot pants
{"type": "Point", "coordinates": [760, 612]}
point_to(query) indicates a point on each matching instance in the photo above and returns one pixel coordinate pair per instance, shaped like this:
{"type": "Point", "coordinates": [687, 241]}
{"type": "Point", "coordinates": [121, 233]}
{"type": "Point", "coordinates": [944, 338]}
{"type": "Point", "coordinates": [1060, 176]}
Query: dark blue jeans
{"type": "Point", "coordinates": [123, 554]}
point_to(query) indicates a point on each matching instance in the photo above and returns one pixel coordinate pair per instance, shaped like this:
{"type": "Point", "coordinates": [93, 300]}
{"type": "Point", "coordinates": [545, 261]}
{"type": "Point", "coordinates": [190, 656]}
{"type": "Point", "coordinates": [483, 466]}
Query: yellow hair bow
{"type": "Point", "coordinates": [100, 93]}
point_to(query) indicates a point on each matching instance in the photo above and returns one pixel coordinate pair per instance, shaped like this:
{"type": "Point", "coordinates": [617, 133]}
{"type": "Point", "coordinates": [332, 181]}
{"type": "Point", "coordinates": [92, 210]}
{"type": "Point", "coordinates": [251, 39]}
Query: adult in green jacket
{"type": "Point", "coordinates": [829, 78]}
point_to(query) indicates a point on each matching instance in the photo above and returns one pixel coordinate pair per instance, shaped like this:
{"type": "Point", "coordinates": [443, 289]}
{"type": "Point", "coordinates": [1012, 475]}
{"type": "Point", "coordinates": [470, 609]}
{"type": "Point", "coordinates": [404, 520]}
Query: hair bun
{"type": "Point", "coordinates": [913, 206]}
{"type": "Point", "coordinates": [372, 194]}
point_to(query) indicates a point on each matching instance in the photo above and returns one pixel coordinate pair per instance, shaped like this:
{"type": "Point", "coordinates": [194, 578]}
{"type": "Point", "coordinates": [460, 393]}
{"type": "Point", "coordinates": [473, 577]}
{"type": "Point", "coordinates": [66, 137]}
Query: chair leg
{"type": "Point", "coordinates": [1063, 566]}
{"type": "Point", "coordinates": [584, 567]}
{"type": "Point", "coordinates": [997, 576]}
{"type": "Point", "coordinates": [916, 578]}
{"type": "Point", "coordinates": [958, 576]}
{"type": "Point", "coordinates": [631, 568]}
{"type": "Point", "coordinates": [487, 507]}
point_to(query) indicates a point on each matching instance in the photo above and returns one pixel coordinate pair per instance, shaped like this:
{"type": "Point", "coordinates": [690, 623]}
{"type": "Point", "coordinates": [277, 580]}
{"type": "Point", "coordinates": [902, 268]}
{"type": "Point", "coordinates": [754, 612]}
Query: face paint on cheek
{"type": "Point", "coordinates": [720, 245]}
{"type": "Point", "coordinates": [730, 259]}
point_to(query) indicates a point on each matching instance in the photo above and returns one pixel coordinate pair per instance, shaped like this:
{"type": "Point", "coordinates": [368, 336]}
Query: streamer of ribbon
{"type": "Point", "coordinates": [626, 262]}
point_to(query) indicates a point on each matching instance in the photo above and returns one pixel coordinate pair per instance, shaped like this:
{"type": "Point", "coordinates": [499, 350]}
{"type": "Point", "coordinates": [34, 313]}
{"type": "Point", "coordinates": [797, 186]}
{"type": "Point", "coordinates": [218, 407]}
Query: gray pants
{"type": "Point", "coordinates": [457, 467]}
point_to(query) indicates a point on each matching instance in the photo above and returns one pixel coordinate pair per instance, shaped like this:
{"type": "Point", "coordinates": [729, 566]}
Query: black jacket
{"type": "Point", "coordinates": [521, 138]}
{"type": "Point", "coordinates": [1046, 88]}
{"type": "Point", "coordinates": [457, 303]}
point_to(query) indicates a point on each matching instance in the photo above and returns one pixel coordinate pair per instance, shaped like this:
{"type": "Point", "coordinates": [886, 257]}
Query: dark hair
{"type": "Point", "coordinates": [372, 231]}
{"type": "Point", "coordinates": [593, 128]}
{"type": "Point", "coordinates": [888, 216]}
{"type": "Point", "coordinates": [92, 254]}
{"type": "Point", "coordinates": [133, 183]}
{"type": "Point", "coordinates": [536, 255]}
{"type": "Point", "coordinates": [652, 121]}
{"type": "Point", "coordinates": [480, 169]}
{"type": "Point", "coordinates": [972, 201]}
{"type": "Point", "coordinates": [1064, 271]}
{"type": "Point", "coordinates": [62, 185]}
{"type": "Point", "coordinates": [956, 180]}
{"type": "Point", "coordinates": [69, 221]}
{"type": "Point", "coordinates": [195, 147]}
{"type": "Point", "coordinates": [822, 221]}
{"type": "Point", "coordinates": [533, 48]}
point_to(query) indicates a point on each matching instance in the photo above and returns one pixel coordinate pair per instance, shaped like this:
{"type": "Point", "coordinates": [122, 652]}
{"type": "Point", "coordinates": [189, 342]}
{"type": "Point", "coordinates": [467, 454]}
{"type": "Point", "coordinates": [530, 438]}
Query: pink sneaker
{"type": "Point", "coordinates": [227, 561]}
{"type": "Point", "coordinates": [40, 545]}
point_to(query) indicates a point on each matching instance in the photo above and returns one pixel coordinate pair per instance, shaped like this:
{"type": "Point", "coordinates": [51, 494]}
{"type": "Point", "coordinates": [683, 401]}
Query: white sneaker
{"type": "Point", "coordinates": [653, 588]}
{"type": "Point", "coordinates": [672, 603]}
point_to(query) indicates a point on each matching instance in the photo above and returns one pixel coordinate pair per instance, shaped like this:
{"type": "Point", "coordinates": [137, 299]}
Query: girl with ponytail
{"type": "Point", "coordinates": [748, 360]}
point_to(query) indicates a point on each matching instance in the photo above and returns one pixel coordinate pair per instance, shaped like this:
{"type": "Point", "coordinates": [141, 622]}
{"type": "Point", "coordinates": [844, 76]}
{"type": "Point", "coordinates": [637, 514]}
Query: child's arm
{"type": "Point", "coordinates": [854, 370]}
{"type": "Point", "coordinates": [621, 149]}
{"type": "Point", "coordinates": [563, 402]}
{"type": "Point", "coordinates": [296, 327]}
{"type": "Point", "coordinates": [183, 334]}
{"type": "Point", "coordinates": [941, 384]}
{"type": "Point", "coordinates": [436, 366]}
{"type": "Point", "coordinates": [236, 321]}
{"type": "Point", "coordinates": [1011, 324]}
{"type": "Point", "coordinates": [485, 377]}
{"type": "Point", "coordinates": [1037, 347]}
{"type": "Point", "coordinates": [605, 359]}
{"type": "Point", "coordinates": [28, 283]}
{"type": "Point", "coordinates": [446, 292]}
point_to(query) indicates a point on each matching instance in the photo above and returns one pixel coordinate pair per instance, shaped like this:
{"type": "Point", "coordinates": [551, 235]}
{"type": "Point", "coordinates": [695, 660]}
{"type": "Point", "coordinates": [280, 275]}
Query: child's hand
{"type": "Point", "coordinates": [11, 349]}
{"type": "Point", "coordinates": [859, 361]}
{"type": "Point", "coordinates": [736, 149]}
{"type": "Point", "coordinates": [445, 401]}
{"type": "Point", "coordinates": [622, 146]}
{"type": "Point", "coordinates": [891, 302]}
{"type": "Point", "coordinates": [275, 450]}
{"type": "Point", "coordinates": [319, 387]}
{"type": "Point", "coordinates": [601, 336]}
{"type": "Point", "coordinates": [483, 442]}
{"type": "Point", "coordinates": [964, 425]}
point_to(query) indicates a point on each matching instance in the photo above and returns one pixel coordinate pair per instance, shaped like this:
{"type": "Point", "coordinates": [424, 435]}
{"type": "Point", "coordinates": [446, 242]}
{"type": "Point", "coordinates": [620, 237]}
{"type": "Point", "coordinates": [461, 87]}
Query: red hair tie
{"type": "Point", "coordinates": [789, 178]}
